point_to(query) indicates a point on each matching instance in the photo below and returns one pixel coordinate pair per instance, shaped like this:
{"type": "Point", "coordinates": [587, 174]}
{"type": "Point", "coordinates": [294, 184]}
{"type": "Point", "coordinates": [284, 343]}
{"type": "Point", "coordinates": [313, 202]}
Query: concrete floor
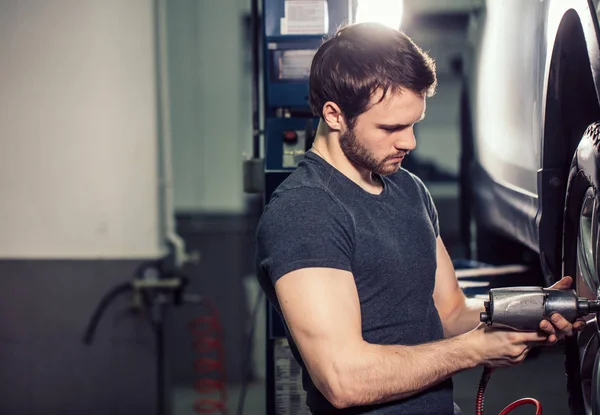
{"type": "Point", "coordinates": [255, 404]}
{"type": "Point", "coordinates": [540, 377]}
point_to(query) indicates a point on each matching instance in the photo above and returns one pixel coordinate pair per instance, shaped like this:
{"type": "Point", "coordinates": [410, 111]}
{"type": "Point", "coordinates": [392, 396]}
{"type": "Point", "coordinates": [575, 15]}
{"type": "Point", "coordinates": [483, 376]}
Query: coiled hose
{"type": "Point", "coordinates": [485, 377]}
{"type": "Point", "coordinates": [207, 338]}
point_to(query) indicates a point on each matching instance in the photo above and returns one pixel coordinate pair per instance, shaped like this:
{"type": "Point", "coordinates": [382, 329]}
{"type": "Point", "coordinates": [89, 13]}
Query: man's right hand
{"type": "Point", "coordinates": [497, 347]}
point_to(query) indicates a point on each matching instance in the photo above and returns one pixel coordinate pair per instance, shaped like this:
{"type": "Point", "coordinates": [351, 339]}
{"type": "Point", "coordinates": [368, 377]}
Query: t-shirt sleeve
{"type": "Point", "coordinates": [303, 228]}
{"type": "Point", "coordinates": [433, 214]}
{"type": "Point", "coordinates": [430, 205]}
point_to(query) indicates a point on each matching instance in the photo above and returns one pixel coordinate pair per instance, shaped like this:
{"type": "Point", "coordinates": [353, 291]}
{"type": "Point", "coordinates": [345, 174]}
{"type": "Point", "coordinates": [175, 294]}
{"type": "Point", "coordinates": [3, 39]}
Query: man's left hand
{"type": "Point", "coordinates": [557, 326]}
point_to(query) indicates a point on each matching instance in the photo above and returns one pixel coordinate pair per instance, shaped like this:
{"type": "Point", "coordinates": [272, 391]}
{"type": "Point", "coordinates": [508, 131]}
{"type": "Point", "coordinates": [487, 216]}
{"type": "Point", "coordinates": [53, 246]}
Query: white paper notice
{"type": "Point", "coordinates": [305, 17]}
{"type": "Point", "coordinates": [295, 64]}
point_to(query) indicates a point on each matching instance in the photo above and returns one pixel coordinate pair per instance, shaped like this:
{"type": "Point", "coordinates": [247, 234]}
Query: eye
{"type": "Point", "coordinates": [391, 130]}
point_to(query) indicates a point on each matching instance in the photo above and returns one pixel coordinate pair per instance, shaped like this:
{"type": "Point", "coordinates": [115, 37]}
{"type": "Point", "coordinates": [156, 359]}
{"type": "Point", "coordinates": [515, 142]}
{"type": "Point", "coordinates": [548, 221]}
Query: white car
{"type": "Point", "coordinates": [531, 162]}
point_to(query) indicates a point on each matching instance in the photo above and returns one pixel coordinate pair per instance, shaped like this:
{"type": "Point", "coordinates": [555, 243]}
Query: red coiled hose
{"type": "Point", "coordinates": [485, 377]}
{"type": "Point", "coordinates": [524, 401]}
{"type": "Point", "coordinates": [207, 336]}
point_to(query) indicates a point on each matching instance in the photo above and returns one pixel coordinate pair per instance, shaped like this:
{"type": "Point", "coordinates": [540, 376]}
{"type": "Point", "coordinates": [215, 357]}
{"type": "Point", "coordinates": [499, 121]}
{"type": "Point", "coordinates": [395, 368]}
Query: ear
{"type": "Point", "coordinates": [333, 116]}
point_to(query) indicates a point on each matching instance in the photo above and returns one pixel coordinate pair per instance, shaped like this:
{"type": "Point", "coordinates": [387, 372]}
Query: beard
{"type": "Point", "coordinates": [361, 156]}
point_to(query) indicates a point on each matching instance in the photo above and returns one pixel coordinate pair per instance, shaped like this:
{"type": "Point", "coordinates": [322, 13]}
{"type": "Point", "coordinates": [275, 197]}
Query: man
{"type": "Point", "coordinates": [349, 249]}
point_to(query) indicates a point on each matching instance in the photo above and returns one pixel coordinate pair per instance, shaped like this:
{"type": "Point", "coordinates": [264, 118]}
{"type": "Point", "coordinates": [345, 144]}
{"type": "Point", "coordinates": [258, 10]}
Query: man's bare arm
{"type": "Point", "coordinates": [458, 314]}
{"type": "Point", "coordinates": [322, 310]}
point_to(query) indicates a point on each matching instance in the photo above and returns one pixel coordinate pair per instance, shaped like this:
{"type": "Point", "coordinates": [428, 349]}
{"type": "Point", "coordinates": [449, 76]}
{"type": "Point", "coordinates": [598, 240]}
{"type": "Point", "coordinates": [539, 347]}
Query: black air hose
{"type": "Point", "coordinates": [108, 298]}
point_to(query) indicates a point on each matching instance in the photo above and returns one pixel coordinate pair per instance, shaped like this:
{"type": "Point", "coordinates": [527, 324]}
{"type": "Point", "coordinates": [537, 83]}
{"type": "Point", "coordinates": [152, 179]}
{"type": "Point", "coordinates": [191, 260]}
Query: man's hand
{"type": "Point", "coordinates": [498, 347]}
{"type": "Point", "coordinates": [558, 327]}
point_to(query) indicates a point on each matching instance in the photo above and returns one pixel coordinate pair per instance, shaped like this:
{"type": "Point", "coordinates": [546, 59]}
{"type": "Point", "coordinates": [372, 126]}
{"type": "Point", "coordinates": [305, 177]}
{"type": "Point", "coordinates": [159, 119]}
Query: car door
{"type": "Point", "coordinates": [505, 95]}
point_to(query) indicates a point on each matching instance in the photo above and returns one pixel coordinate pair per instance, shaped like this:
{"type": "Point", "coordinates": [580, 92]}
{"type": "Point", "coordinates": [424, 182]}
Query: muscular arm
{"type": "Point", "coordinates": [458, 314]}
{"type": "Point", "coordinates": [322, 310]}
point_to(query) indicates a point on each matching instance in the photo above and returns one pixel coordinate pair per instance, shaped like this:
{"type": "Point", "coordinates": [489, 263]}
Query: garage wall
{"type": "Point", "coordinates": [78, 204]}
{"type": "Point", "coordinates": [210, 103]}
{"type": "Point", "coordinates": [78, 148]}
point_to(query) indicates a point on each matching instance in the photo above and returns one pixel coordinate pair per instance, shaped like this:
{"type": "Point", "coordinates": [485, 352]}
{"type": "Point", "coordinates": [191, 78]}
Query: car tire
{"type": "Point", "coordinates": [580, 258]}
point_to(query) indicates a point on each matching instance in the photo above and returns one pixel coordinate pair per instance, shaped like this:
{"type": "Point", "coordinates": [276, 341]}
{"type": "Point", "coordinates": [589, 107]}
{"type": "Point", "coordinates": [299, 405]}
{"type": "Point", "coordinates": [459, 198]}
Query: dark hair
{"type": "Point", "coordinates": [362, 58]}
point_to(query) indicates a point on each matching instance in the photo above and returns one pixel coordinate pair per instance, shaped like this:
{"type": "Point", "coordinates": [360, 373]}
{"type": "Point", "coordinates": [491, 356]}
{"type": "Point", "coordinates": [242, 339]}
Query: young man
{"type": "Point", "coordinates": [349, 250]}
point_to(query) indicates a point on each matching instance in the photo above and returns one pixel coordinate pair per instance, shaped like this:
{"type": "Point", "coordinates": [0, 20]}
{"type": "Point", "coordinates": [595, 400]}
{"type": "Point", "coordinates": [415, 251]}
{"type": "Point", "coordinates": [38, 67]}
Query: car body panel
{"type": "Point", "coordinates": [506, 110]}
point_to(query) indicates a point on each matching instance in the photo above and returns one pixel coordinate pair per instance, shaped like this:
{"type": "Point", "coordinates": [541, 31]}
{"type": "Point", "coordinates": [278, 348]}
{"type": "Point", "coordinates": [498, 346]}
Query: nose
{"type": "Point", "coordinates": [406, 140]}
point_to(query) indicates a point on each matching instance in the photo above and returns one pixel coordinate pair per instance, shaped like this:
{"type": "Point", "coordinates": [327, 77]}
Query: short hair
{"type": "Point", "coordinates": [361, 59]}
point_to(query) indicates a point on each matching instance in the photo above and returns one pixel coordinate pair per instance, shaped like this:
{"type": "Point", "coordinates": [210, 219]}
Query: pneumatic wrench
{"type": "Point", "coordinates": [522, 309]}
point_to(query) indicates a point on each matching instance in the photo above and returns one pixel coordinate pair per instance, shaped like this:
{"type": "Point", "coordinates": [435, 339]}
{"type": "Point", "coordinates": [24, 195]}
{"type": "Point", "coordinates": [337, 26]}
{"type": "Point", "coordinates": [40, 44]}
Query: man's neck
{"type": "Point", "coordinates": [328, 148]}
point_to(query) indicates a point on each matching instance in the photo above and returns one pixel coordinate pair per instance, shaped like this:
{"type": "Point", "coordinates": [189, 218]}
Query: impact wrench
{"type": "Point", "coordinates": [522, 309]}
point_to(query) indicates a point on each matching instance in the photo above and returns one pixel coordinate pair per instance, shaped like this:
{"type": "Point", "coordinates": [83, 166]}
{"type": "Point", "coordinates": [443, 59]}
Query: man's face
{"type": "Point", "coordinates": [384, 134]}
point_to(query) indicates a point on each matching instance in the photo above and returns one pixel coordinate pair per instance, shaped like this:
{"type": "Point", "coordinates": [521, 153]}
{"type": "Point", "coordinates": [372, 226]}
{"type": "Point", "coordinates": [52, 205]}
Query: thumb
{"type": "Point", "coordinates": [563, 284]}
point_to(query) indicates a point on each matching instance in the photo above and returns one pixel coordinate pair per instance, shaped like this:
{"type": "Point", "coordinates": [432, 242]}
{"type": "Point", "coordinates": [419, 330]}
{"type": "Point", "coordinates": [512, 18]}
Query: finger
{"type": "Point", "coordinates": [552, 339]}
{"type": "Point", "coordinates": [519, 358]}
{"type": "Point", "coordinates": [549, 341]}
{"type": "Point", "coordinates": [532, 337]}
{"type": "Point", "coordinates": [547, 327]}
{"type": "Point", "coordinates": [563, 284]}
{"type": "Point", "coordinates": [562, 326]}
{"type": "Point", "coordinates": [579, 325]}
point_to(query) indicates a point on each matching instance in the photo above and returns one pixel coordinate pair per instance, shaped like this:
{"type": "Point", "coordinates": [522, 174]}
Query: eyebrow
{"type": "Point", "coordinates": [399, 126]}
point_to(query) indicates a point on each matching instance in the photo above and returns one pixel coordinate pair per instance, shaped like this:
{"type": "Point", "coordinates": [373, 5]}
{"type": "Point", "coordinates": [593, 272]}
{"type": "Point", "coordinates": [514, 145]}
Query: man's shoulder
{"type": "Point", "coordinates": [292, 197]}
{"type": "Point", "coordinates": [307, 181]}
{"type": "Point", "coordinates": [303, 196]}
{"type": "Point", "coordinates": [303, 209]}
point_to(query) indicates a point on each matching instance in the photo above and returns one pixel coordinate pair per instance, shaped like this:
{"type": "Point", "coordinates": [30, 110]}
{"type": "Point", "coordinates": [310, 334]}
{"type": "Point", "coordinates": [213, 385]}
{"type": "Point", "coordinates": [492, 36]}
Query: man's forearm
{"type": "Point", "coordinates": [382, 373]}
{"type": "Point", "coordinates": [464, 319]}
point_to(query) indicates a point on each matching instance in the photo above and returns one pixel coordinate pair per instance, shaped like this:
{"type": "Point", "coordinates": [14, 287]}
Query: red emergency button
{"type": "Point", "coordinates": [290, 137]}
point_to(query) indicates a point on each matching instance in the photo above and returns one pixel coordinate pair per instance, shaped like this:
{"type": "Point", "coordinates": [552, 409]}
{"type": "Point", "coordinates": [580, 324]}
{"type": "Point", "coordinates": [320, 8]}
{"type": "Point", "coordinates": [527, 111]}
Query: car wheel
{"type": "Point", "coordinates": [580, 261]}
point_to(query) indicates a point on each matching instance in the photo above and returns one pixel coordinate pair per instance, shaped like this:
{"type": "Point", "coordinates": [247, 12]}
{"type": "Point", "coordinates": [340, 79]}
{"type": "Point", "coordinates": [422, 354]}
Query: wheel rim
{"type": "Point", "coordinates": [587, 284]}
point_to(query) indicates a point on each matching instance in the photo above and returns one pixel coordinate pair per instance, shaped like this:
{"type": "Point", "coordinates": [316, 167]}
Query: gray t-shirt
{"type": "Point", "coordinates": [319, 218]}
